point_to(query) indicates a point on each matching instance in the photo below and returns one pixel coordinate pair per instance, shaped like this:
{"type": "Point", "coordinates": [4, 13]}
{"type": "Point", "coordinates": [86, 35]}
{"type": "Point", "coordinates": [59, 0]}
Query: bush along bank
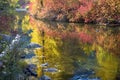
{"type": "Point", "coordinates": [102, 12]}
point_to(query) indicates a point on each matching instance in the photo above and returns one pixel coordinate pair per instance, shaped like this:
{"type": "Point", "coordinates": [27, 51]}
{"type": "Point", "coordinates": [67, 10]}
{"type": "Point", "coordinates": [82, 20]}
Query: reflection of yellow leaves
{"type": "Point", "coordinates": [100, 54]}
{"type": "Point", "coordinates": [108, 63]}
{"type": "Point", "coordinates": [35, 36]}
{"type": "Point", "coordinates": [87, 49]}
{"type": "Point", "coordinates": [51, 46]}
{"type": "Point", "coordinates": [39, 70]}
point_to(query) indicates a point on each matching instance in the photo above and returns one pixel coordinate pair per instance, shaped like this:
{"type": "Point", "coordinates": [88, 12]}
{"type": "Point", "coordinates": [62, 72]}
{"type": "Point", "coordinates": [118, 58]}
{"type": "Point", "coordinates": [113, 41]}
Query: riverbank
{"type": "Point", "coordinates": [64, 18]}
{"type": "Point", "coordinates": [79, 11]}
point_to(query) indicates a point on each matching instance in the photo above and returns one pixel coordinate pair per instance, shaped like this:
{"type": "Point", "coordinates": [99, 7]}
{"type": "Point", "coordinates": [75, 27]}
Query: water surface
{"type": "Point", "coordinates": [78, 49]}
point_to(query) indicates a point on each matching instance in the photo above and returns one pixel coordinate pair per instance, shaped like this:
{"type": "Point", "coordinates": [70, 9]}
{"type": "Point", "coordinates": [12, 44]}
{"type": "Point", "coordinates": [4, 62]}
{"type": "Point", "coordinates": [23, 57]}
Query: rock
{"type": "Point", "coordinates": [44, 78]}
{"type": "Point", "coordinates": [21, 9]}
{"type": "Point", "coordinates": [51, 70]}
{"type": "Point", "coordinates": [6, 37]}
{"type": "Point", "coordinates": [28, 56]}
{"type": "Point", "coordinates": [33, 45]}
{"type": "Point", "coordinates": [30, 70]}
{"type": "Point", "coordinates": [45, 64]}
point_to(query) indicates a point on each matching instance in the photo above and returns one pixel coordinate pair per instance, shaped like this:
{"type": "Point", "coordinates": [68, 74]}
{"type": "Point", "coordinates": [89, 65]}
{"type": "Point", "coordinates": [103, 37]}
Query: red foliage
{"type": "Point", "coordinates": [56, 4]}
{"type": "Point", "coordinates": [85, 7]}
{"type": "Point", "coordinates": [81, 10]}
{"type": "Point", "coordinates": [84, 37]}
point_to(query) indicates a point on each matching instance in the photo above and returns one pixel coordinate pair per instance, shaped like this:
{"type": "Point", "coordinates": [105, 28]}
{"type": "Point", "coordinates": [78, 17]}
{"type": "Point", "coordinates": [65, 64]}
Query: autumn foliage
{"type": "Point", "coordinates": [81, 10]}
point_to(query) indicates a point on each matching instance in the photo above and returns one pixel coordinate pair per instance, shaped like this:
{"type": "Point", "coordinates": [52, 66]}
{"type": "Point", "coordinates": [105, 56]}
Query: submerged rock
{"type": "Point", "coordinates": [78, 77]}
{"type": "Point", "coordinates": [51, 70]}
{"type": "Point", "coordinates": [44, 78]}
{"type": "Point", "coordinates": [5, 37]}
{"type": "Point", "coordinates": [28, 56]}
{"type": "Point", "coordinates": [30, 70]}
{"type": "Point", "coordinates": [43, 65]}
{"type": "Point", "coordinates": [84, 74]}
{"type": "Point", "coordinates": [33, 45]}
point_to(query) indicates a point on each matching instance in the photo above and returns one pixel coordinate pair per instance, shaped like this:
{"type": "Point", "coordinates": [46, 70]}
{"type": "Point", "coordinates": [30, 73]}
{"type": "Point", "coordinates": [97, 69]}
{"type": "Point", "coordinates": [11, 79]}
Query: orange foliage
{"type": "Point", "coordinates": [85, 10]}
{"type": "Point", "coordinates": [109, 42]}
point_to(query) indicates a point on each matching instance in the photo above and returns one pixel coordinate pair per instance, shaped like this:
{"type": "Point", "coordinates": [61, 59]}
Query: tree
{"type": "Point", "coordinates": [7, 4]}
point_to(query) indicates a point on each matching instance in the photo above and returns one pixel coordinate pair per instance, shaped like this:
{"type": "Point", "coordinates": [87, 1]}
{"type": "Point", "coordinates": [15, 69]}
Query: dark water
{"type": "Point", "coordinates": [78, 49]}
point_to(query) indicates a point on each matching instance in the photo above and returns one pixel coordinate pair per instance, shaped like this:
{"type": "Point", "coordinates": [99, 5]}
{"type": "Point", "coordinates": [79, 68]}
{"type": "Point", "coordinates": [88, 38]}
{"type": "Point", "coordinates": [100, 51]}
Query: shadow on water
{"type": "Point", "coordinates": [80, 51]}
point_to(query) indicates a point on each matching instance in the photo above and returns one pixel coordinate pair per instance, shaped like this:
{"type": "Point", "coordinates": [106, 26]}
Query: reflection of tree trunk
{"type": "Point", "coordinates": [41, 2]}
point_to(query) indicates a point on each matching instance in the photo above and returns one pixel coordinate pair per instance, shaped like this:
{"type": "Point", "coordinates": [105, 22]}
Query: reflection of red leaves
{"type": "Point", "coordinates": [85, 37]}
{"type": "Point", "coordinates": [82, 36]}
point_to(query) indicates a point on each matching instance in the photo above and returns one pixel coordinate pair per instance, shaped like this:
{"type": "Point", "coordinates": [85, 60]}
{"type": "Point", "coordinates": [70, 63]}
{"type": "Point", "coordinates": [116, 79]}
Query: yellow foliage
{"type": "Point", "coordinates": [108, 64]}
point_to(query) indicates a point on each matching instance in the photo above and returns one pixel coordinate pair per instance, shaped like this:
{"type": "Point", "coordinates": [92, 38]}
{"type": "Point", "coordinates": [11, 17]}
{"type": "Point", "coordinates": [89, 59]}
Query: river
{"type": "Point", "coordinates": [77, 49]}
{"type": "Point", "coordinates": [73, 49]}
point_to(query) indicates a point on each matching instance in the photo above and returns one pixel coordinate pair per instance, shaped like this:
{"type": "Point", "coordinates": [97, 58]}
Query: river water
{"type": "Point", "coordinates": [72, 49]}
{"type": "Point", "coordinates": [77, 49]}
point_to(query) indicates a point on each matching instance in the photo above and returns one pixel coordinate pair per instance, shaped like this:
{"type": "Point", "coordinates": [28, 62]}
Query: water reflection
{"type": "Point", "coordinates": [77, 49]}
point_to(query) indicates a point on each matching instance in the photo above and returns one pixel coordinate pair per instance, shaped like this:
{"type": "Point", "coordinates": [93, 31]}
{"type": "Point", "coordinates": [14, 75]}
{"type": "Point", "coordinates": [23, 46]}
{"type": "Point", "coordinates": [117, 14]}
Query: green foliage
{"type": "Point", "coordinates": [7, 14]}
{"type": "Point", "coordinates": [3, 45]}
{"type": "Point", "coordinates": [13, 65]}
{"type": "Point", "coordinates": [8, 6]}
